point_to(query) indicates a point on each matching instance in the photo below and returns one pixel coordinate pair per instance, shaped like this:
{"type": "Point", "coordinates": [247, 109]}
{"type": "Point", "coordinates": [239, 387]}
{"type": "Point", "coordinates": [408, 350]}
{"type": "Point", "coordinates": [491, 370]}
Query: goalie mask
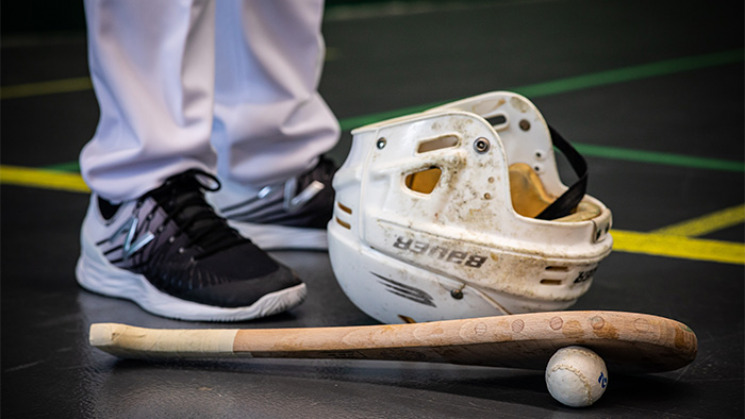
{"type": "Point", "coordinates": [459, 212]}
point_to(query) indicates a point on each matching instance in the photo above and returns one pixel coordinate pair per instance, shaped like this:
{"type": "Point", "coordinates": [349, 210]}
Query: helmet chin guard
{"type": "Point", "coordinates": [443, 215]}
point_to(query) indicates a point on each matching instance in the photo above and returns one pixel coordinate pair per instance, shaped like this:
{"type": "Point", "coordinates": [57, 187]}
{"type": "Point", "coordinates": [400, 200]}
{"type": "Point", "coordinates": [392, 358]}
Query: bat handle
{"type": "Point", "coordinates": [135, 342]}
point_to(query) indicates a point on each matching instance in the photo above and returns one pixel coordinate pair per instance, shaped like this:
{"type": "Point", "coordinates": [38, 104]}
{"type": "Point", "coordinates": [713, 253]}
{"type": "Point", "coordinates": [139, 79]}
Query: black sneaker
{"type": "Point", "coordinates": [170, 253]}
{"type": "Point", "coordinates": [289, 215]}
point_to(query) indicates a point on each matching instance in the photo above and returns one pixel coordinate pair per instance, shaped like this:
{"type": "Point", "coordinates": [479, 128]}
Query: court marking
{"type": "Point", "coordinates": [569, 84]}
{"type": "Point", "coordinates": [42, 178]}
{"type": "Point", "coordinates": [585, 81]}
{"type": "Point", "coordinates": [709, 223]}
{"type": "Point", "coordinates": [672, 241]}
{"type": "Point", "coordinates": [74, 84]}
{"type": "Point", "coordinates": [605, 152]}
{"type": "Point", "coordinates": [678, 247]}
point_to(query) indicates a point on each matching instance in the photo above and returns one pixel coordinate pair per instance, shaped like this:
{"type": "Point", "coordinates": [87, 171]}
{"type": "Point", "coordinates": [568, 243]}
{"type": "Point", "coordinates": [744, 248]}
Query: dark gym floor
{"type": "Point", "coordinates": [651, 92]}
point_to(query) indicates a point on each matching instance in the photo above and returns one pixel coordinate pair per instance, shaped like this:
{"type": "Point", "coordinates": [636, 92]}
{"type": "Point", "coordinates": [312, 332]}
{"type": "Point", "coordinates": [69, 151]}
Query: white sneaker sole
{"type": "Point", "coordinates": [96, 274]}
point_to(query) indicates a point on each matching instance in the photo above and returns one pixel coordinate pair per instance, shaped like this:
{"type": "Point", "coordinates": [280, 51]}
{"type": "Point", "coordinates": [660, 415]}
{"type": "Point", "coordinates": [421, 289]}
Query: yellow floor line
{"type": "Point", "coordinates": [45, 87]}
{"type": "Point", "coordinates": [48, 179]}
{"type": "Point", "coordinates": [654, 243]}
{"type": "Point", "coordinates": [678, 247]}
{"type": "Point", "coordinates": [78, 84]}
{"type": "Point", "coordinates": [706, 224]}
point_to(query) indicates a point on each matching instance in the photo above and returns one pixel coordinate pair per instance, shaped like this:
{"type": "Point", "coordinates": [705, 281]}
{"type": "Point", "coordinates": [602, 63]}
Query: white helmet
{"type": "Point", "coordinates": [453, 213]}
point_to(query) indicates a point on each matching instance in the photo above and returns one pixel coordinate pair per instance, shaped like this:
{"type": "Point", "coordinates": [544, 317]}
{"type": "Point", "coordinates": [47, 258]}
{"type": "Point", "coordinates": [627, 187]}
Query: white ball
{"type": "Point", "coordinates": [576, 376]}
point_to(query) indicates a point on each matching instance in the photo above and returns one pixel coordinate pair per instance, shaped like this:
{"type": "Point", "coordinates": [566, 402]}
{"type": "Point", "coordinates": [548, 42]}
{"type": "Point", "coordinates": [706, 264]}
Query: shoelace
{"type": "Point", "coordinates": [182, 197]}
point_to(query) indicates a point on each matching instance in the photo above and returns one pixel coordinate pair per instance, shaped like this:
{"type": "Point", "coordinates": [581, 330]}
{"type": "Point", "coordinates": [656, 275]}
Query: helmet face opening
{"type": "Point", "coordinates": [436, 216]}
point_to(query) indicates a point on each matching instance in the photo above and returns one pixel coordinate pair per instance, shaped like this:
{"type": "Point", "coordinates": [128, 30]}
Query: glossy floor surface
{"type": "Point", "coordinates": [651, 93]}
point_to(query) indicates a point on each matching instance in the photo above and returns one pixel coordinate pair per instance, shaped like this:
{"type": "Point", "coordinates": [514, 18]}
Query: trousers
{"type": "Point", "coordinates": [227, 86]}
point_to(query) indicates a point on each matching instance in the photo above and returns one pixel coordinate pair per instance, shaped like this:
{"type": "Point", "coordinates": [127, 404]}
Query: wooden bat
{"type": "Point", "coordinates": [630, 342]}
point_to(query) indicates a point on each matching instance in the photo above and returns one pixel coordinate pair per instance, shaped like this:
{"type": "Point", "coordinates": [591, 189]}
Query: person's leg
{"type": "Point", "coordinates": [271, 125]}
{"type": "Point", "coordinates": [152, 66]}
{"type": "Point", "coordinates": [149, 235]}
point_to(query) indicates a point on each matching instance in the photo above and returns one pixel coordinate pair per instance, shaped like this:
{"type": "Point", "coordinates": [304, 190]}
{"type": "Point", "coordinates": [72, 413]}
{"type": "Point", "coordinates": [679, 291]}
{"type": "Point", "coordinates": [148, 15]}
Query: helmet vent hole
{"type": "Point", "coordinates": [553, 282]}
{"type": "Point", "coordinates": [343, 223]}
{"type": "Point", "coordinates": [557, 268]}
{"type": "Point", "coordinates": [447, 141]}
{"type": "Point", "coordinates": [497, 121]}
{"type": "Point", "coordinates": [424, 181]}
{"type": "Point", "coordinates": [344, 208]}
{"type": "Point", "coordinates": [406, 319]}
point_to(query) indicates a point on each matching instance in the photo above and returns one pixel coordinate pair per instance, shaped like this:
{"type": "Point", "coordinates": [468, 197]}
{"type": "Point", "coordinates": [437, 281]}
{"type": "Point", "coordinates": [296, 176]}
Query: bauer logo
{"type": "Point", "coordinates": [439, 253]}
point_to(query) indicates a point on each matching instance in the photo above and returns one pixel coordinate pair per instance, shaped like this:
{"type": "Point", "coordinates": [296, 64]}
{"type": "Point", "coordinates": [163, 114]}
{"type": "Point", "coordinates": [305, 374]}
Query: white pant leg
{"type": "Point", "coordinates": [152, 66]}
{"type": "Point", "coordinates": [270, 122]}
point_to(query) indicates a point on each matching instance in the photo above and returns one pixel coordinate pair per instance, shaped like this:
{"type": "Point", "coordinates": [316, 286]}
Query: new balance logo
{"type": "Point", "coordinates": [293, 202]}
{"type": "Point", "coordinates": [132, 243]}
{"type": "Point", "coordinates": [271, 197]}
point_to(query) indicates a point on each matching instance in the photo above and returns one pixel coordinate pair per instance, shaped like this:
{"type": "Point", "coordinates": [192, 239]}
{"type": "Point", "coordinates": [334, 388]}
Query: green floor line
{"type": "Point", "coordinates": [586, 81]}
{"type": "Point", "coordinates": [632, 73]}
{"type": "Point", "coordinates": [72, 166]}
{"type": "Point", "coordinates": [670, 159]}
{"type": "Point", "coordinates": [611, 153]}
